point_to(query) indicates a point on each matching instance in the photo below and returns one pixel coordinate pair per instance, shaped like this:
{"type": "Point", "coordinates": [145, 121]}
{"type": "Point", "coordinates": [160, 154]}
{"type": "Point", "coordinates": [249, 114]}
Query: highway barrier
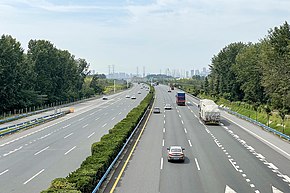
{"type": "Point", "coordinates": [274, 131]}
{"type": "Point", "coordinates": [28, 124]}
{"type": "Point", "coordinates": [96, 167]}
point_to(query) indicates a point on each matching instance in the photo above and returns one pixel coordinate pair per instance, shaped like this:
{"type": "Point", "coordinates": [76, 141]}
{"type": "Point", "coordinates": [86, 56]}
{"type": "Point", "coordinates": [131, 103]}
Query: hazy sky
{"type": "Point", "coordinates": [157, 34]}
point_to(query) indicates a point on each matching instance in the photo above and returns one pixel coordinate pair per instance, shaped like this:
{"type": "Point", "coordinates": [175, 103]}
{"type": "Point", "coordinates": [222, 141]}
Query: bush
{"type": "Point", "coordinates": [85, 178]}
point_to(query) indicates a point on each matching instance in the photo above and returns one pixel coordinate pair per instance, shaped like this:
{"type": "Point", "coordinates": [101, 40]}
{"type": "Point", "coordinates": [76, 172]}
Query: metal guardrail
{"type": "Point", "coordinates": [257, 123]}
{"type": "Point", "coordinates": [287, 137]}
{"type": "Point", "coordinates": [119, 154]}
{"type": "Point", "coordinates": [17, 127]}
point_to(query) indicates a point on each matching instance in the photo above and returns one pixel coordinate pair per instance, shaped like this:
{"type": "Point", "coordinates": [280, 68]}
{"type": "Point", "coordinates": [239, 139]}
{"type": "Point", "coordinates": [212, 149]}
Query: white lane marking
{"type": "Point", "coordinates": [276, 190]}
{"type": "Point", "coordinates": [70, 150]}
{"type": "Point", "coordinates": [197, 165]}
{"type": "Point", "coordinates": [257, 136]}
{"type": "Point", "coordinates": [164, 115]}
{"type": "Point", "coordinates": [164, 121]}
{"type": "Point", "coordinates": [66, 126]}
{"type": "Point", "coordinates": [229, 190]}
{"type": "Point", "coordinates": [233, 164]}
{"type": "Point", "coordinates": [120, 113]}
{"type": "Point", "coordinates": [164, 130]}
{"type": "Point", "coordinates": [104, 125]}
{"type": "Point", "coordinates": [68, 135]}
{"type": "Point", "coordinates": [185, 130]}
{"type": "Point", "coordinates": [179, 115]}
{"type": "Point", "coordinates": [161, 164]}
{"type": "Point", "coordinates": [182, 122]}
{"type": "Point", "coordinates": [97, 118]}
{"type": "Point", "coordinates": [113, 118]}
{"type": "Point", "coordinates": [4, 172]}
{"type": "Point", "coordinates": [10, 152]}
{"type": "Point", "coordinates": [257, 191]}
{"type": "Point", "coordinates": [91, 135]}
{"type": "Point", "coordinates": [41, 150]}
{"type": "Point", "coordinates": [287, 178]}
{"type": "Point", "coordinates": [92, 113]}
{"type": "Point", "coordinates": [85, 125]}
{"type": "Point", "coordinates": [33, 177]}
{"type": "Point", "coordinates": [163, 143]}
{"type": "Point", "coordinates": [272, 166]}
{"type": "Point", "coordinates": [81, 119]}
{"type": "Point", "coordinates": [189, 143]}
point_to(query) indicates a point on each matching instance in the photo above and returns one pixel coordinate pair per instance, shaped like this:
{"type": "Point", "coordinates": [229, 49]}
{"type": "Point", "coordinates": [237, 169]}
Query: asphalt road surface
{"type": "Point", "coordinates": [234, 156]}
{"type": "Point", "coordinates": [31, 159]}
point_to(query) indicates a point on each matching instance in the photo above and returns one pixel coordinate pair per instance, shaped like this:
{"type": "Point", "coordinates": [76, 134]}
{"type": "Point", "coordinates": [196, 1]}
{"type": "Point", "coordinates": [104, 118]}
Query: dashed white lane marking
{"type": "Point", "coordinates": [70, 150]}
{"type": "Point", "coordinates": [81, 119]}
{"type": "Point", "coordinates": [91, 135]}
{"type": "Point", "coordinates": [164, 121]}
{"type": "Point", "coordinates": [97, 118]}
{"type": "Point", "coordinates": [182, 122]}
{"type": "Point", "coordinates": [189, 143]}
{"type": "Point", "coordinates": [41, 150]}
{"type": "Point", "coordinates": [164, 130]}
{"type": "Point", "coordinates": [161, 164]}
{"type": "Point", "coordinates": [33, 177]}
{"type": "Point", "coordinates": [104, 125]}
{"type": "Point", "coordinates": [197, 165]}
{"type": "Point", "coordinates": [4, 172]}
{"type": "Point", "coordinates": [113, 118]}
{"type": "Point", "coordinates": [164, 115]}
{"type": "Point", "coordinates": [185, 130]}
{"type": "Point", "coordinates": [85, 125]}
{"type": "Point", "coordinates": [66, 126]}
{"type": "Point", "coordinates": [68, 135]}
{"type": "Point", "coordinates": [13, 151]}
{"type": "Point", "coordinates": [92, 113]}
{"type": "Point", "coordinates": [179, 115]}
{"type": "Point", "coordinates": [163, 143]}
{"type": "Point", "coordinates": [257, 136]}
{"type": "Point", "coordinates": [120, 113]}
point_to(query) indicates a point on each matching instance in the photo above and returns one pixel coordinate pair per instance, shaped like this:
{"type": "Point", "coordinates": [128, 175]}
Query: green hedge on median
{"type": "Point", "coordinates": [85, 178]}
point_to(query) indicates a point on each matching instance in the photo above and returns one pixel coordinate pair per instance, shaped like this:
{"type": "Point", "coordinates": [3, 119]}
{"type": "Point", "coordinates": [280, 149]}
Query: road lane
{"type": "Point", "coordinates": [58, 147]}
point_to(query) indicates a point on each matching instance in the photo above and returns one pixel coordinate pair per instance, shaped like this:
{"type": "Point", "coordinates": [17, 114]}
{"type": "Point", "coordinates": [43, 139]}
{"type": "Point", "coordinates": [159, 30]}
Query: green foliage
{"type": "Point", "coordinates": [85, 178]}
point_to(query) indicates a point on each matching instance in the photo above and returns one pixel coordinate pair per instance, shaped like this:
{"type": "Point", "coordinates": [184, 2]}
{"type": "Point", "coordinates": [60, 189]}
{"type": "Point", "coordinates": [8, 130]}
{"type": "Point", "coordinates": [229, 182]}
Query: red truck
{"type": "Point", "coordinates": [180, 98]}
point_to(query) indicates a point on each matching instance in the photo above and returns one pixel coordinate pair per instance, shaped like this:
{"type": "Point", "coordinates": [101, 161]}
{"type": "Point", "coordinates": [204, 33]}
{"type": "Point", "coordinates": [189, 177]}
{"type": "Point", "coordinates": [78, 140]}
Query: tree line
{"type": "Point", "coordinates": [43, 75]}
{"type": "Point", "coordinates": [257, 73]}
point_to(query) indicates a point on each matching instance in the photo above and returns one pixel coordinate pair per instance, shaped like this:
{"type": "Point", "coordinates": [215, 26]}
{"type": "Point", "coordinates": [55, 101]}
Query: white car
{"type": "Point", "coordinates": [105, 98]}
{"type": "Point", "coordinates": [139, 92]}
{"type": "Point", "coordinates": [133, 97]}
{"type": "Point", "coordinates": [127, 96]}
{"type": "Point", "coordinates": [167, 107]}
{"type": "Point", "coordinates": [175, 153]}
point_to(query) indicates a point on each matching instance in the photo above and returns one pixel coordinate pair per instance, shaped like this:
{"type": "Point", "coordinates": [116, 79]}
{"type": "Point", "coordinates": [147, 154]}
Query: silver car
{"type": "Point", "coordinates": [175, 153]}
{"type": "Point", "coordinates": [167, 107]}
{"type": "Point", "coordinates": [156, 110]}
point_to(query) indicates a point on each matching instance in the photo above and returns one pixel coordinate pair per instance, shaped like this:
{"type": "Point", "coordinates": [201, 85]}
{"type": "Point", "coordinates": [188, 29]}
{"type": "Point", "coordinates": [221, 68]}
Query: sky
{"type": "Point", "coordinates": [155, 34]}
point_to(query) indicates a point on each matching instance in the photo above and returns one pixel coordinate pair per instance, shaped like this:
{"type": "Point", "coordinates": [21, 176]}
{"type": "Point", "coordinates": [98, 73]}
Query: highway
{"type": "Point", "coordinates": [31, 159]}
{"type": "Point", "coordinates": [233, 157]}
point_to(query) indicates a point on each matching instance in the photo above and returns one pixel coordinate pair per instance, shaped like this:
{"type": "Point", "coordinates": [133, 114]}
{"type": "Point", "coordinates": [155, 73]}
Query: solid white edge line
{"type": "Point", "coordinates": [161, 164]}
{"type": "Point", "coordinates": [197, 165]}
{"type": "Point", "coordinates": [91, 135]}
{"type": "Point", "coordinates": [70, 150]}
{"type": "Point", "coordinates": [230, 160]}
{"type": "Point", "coordinates": [33, 177]}
{"type": "Point", "coordinates": [4, 172]}
{"type": "Point", "coordinates": [260, 138]}
{"type": "Point", "coordinates": [189, 143]}
{"type": "Point", "coordinates": [41, 150]}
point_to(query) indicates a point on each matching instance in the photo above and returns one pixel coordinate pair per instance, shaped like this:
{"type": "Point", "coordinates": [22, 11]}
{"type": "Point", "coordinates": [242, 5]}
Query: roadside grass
{"type": "Point", "coordinates": [246, 109]}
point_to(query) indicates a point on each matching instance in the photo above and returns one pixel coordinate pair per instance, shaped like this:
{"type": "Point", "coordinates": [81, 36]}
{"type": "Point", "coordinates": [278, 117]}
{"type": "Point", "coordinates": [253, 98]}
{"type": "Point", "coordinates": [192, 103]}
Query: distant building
{"type": "Point", "coordinates": [197, 73]}
{"type": "Point", "coordinates": [187, 74]}
{"type": "Point", "coordinates": [192, 73]}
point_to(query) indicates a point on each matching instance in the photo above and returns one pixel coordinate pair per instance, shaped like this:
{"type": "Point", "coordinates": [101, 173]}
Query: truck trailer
{"type": "Point", "coordinates": [180, 98]}
{"type": "Point", "coordinates": [209, 111]}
